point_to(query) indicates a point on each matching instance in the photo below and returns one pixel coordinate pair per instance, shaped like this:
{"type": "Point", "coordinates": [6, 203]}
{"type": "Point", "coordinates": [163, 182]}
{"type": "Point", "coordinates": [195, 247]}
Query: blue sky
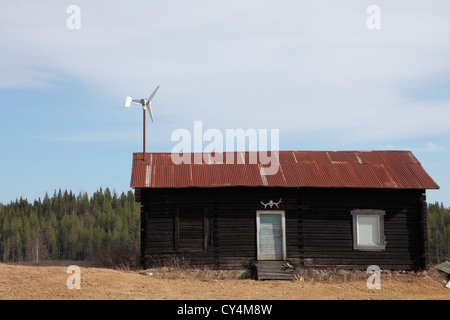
{"type": "Point", "coordinates": [311, 69]}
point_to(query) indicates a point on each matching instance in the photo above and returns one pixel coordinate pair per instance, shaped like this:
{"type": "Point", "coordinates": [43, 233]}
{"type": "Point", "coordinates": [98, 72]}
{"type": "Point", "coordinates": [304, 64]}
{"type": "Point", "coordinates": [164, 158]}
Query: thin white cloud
{"type": "Point", "coordinates": [297, 66]}
{"type": "Point", "coordinates": [428, 147]}
{"type": "Point", "coordinates": [431, 147]}
{"type": "Point", "coordinates": [94, 136]}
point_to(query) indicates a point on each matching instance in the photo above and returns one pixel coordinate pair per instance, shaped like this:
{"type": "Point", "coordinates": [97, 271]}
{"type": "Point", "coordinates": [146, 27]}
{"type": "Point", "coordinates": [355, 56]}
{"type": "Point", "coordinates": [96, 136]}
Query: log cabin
{"type": "Point", "coordinates": [341, 209]}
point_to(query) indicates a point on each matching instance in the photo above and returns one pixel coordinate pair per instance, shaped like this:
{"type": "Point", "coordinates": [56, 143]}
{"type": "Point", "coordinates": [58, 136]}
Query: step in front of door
{"type": "Point", "coordinates": [274, 270]}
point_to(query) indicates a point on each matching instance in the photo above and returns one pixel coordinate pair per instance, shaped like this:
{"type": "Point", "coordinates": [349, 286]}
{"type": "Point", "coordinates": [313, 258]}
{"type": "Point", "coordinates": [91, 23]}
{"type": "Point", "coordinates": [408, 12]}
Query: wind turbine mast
{"type": "Point", "coordinates": [146, 105]}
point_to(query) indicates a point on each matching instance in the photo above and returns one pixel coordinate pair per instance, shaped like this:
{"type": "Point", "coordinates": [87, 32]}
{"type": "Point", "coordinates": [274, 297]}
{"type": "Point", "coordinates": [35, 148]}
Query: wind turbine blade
{"type": "Point", "coordinates": [150, 112]}
{"type": "Point", "coordinates": [153, 94]}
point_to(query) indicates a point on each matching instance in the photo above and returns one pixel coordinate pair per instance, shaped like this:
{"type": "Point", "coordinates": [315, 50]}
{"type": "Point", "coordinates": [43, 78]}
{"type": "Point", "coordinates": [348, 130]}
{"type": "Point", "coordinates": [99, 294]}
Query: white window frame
{"type": "Point", "coordinates": [381, 238]}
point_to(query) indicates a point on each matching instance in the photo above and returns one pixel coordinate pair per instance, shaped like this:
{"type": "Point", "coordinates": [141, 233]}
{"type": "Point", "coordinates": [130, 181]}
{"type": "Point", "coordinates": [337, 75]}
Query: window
{"type": "Point", "coordinates": [193, 231]}
{"type": "Point", "coordinates": [368, 229]}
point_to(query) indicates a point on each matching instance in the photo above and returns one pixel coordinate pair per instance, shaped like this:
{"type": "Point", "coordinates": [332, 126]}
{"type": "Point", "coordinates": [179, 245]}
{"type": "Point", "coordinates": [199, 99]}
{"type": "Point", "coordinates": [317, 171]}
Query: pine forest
{"type": "Point", "coordinates": [103, 228]}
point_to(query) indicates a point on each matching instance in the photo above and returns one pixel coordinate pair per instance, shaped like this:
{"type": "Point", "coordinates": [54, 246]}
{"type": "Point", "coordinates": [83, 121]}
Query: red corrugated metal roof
{"type": "Point", "coordinates": [346, 169]}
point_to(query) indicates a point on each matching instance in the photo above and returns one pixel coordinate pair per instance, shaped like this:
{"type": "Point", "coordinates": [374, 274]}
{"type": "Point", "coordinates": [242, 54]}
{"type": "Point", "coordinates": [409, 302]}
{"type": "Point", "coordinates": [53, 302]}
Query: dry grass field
{"type": "Point", "coordinates": [47, 281]}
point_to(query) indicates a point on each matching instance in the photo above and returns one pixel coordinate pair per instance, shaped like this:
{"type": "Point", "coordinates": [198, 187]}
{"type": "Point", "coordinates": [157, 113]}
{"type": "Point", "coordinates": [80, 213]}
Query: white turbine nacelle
{"type": "Point", "coordinates": [128, 102]}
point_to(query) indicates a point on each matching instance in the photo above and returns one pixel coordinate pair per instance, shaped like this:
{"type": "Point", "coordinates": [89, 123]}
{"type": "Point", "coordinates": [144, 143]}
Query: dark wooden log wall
{"type": "Point", "coordinates": [235, 213]}
{"type": "Point", "coordinates": [328, 236]}
{"type": "Point", "coordinates": [217, 226]}
{"type": "Point", "coordinates": [214, 227]}
{"type": "Point", "coordinates": [176, 228]}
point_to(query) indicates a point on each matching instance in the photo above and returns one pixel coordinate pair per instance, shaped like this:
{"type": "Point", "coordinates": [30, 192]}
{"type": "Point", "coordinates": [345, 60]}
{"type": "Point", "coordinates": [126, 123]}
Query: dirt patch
{"type": "Point", "coordinates": [48, 281]}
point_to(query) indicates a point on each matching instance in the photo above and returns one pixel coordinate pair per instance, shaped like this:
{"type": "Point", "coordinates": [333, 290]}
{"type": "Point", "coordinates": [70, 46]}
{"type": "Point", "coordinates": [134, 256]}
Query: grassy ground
{"type": "Point", "coordinates": [48, 281]}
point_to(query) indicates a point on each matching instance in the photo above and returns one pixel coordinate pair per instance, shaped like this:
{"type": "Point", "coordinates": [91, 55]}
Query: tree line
{"type": "Point", "coordinates": [438, 223]}
{"type": "Point", "coordinates": [103, 227]}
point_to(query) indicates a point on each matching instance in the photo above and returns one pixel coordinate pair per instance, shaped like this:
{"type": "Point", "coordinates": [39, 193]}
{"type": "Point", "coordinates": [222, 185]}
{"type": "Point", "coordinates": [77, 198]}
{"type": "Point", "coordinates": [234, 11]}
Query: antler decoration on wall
{"type": "Point", "coordinates": [271, 204]}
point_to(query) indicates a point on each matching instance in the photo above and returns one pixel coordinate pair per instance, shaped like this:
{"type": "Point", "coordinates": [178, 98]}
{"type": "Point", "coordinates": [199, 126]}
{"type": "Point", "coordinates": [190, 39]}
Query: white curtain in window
{"type": "Point", "coordinates": [368, 230]}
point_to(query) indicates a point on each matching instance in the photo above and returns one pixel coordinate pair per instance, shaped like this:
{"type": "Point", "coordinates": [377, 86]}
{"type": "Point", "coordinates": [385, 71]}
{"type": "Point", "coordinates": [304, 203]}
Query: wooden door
{"type": "Point", "coordinates": [271, 235]}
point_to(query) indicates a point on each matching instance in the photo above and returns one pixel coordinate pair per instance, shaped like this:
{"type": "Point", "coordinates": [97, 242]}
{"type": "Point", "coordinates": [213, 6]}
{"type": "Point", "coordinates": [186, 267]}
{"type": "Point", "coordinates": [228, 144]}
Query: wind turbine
{"type": "Point", "coordinates": [146, 105]}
